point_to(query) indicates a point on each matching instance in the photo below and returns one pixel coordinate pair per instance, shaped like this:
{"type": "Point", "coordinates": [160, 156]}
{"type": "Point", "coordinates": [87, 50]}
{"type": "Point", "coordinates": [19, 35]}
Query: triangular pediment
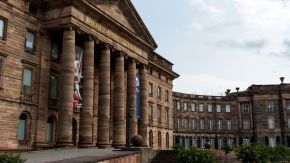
{"type": "Point", "coordinates": [123, 12]}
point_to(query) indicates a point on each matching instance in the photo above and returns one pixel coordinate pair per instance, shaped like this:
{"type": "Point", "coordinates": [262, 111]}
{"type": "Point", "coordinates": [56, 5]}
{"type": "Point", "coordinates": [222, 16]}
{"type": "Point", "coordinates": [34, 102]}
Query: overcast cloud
{"type": "Point", "coordinates": [220, 44]}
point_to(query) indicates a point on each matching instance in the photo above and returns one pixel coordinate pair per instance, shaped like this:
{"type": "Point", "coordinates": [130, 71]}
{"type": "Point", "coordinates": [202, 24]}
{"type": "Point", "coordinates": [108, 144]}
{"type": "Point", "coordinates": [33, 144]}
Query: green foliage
{"type": "Point", "coordinates": [11, 158]}
{"type": "Point", "coordinates": [258, 153]}
{"type": "Point", "coordinates": [227, 149]}
{"type": "Point", "coordinates": [194, 155]}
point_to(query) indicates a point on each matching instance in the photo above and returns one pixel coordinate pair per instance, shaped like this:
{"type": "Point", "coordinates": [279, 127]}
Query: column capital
{"type": "Point", "coordinates": [89, 37]}
{"type": "Point", "coordinates": [70, 27]}
{"type": "Point", "coordinates": [120, 54]}
{"type": "Point", "coordinates": [131, 60]}
{"type": "Point", "coordinates": [143, 66]}
{"type": "Point", "coordinates": [105, 46]}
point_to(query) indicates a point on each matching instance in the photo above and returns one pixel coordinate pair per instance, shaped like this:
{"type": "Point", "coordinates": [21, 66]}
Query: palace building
{"type": "Point", "coordinates": [81, 73]}
{"type": "Point", "coordinates": [260, 114]}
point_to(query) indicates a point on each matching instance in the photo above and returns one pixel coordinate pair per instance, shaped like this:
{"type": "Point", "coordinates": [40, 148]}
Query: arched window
{"type": "Point", "coordinates": [167, 140]}
{"type": "Point", "coordinates": [50, 129]}
{"type": "Point", "coordinates": [151, 138]}
{"type": "Point", "coordinates": [159, 140]}
{"type": "Point", "coordinates": [23, 127]}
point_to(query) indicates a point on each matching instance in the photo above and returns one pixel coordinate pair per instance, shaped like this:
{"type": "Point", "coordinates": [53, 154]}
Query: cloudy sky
{"type": "Point", "coordinates": [221, 44]}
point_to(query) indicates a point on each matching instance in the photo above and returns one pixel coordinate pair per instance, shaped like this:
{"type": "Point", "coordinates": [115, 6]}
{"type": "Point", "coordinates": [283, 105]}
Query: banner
{"type": "Point", "coordinates": [138, 112]}
{"type": "Point", "coordinates": [78, 76]}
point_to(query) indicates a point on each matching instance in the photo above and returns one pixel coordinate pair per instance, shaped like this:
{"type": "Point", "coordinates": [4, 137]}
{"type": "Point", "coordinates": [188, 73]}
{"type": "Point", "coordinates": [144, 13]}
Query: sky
{"type": "Point", "coordinates": [221, 44]}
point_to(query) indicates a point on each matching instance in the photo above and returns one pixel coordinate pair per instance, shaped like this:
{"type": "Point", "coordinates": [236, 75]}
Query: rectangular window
{"type": "Point", "coordinates": [210, 124]}
{"type": "Point", "coordinates": [228, 108]}
{"type": "Point", "coordinates": [218, 108]}
{"type": "Point", "coordinates": [27, 81]}
{"type": "Point", "coordinates": [2, 29]}
{"type": "Point", "coordinates": [177, 105]}
{"type": "Point", "coordinates": [55, 51]}
{"type": "Point", "coordinates": [53, 87]}
{"type": "Point", "coordinates": [202, 143]}
{"type": "Point", "coordinates": [269, 105]}
{"type": "Point", "coordinates": [288, 105]}
{"type": "Point", "coordinates": [166, 95]}
{"type": "Point", "coordinates": [246, 124]}
{"type": "Point", "coordinates": [270, 123]}
{"type": "Point", "coordinates": [159, 114]}
{"type": "Point", "coordinates": [246, 108]}
{"type": "Point", "coordinates": [30, 41]}
{"type": "Point", "coordinates": [178, 122]}
{"type": "Point", "coordinates": [166, 116]}
{"type": "Point", "coordinates": [21, 129]}
{"type": "Point", "coordinates": [151, 89]}
{"type": "Point", "coordinates": [220, 143]}
{"type": "Point", "coordinates": [229, 124]}
{"type": "Point", "coordinates": [202, 124]}
{"type": "Point", "coordinates": [219, 124]}
{"type": "Point", "coordinates": [150, 111]}
{"type": "Point", "coordinates": [193, 124]}
{"type": "Point", "coordinates": [193, 107]}
{"type": "Point", "coordinates": [200, 106]}
{"type": "Point", "coordinates": [186, 123]}
{"type": "Point", "coordinates": [209, 108]}
{"type": "Point", "coordinates": [288, 123]}
{"type": "Point", "coordinates": [159, 92]}
{"type": "Point", "coordinates": [185, 106]}
{"type": "Point", "coordinates": [272, 142]}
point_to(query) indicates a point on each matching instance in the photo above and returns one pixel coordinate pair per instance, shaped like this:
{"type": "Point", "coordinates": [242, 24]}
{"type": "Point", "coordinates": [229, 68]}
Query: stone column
{"type": "Point", "coordinates": [104, 97]}
{"type": "Point", "coordinates": [131, 98]}
{"type": "Point", "coordinates": [86, 115]}
{"type": "Point", "coordinates": [142, 130]}
{"type": "Point", "coordinates": [65, 112]}
{"type": "Point", "coordinates": [119, 130]}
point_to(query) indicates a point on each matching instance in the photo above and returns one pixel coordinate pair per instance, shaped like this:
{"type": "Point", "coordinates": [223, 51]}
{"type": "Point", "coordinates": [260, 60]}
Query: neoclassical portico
{"type": "Point", "coordinates": [116, 62]}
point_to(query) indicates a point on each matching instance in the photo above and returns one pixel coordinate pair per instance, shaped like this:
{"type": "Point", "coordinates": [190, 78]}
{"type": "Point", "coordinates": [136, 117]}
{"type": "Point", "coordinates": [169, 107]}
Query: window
{"type": "Point", "coordinates": [185, 106]}
{"type": "Point", "coordinates": [150, 112]}
{"type": "Point", "coordinates": [194, 142]}
{"type": "Point", "coordinates": [269, 105]}
{"type": "Point", "coordinates": [50, 129]}
{"type": "Point", "coordinates": [230, 142]}
{"type": "Point", "coordinates": [23, 127]}
{"type": "Point", "coordinates": [166, 95]}
{"type": "Point", "coordinates": [177, 105]}
{"type": "Point", "coordinates": [202, 124]}
{"type": "Point", "coordinates": [2, 29]}
{"type": "Point", "coordinates": [209, 108]}
{"type": "Point", "coordinates": [288, 105]}
{"type": "Point", "coordinates": [53, 87]}
{"type": "Point", "coordinates": [159, 114]}
{"type": "Point", "coordinates": [202, 143]}
{"type": "Point", "coordinates": [193, 124]}
{"type": "Point", "coordinates": [270, 123]}
{"type": "Point", "coordinates": [218, 108]}
{"type": "Point", "coordinates": [288, 123]}
{"type": "Point", "coordinates": [159, 92]}
{"type": "Point", "coordinates": [151, 89]}
{"type": "Point", "coordinates": [229, 124]}
{"type": "Point", "coordinates": [30, 41]}
{"type": "Point", "coordinates": [219, 124]}
{"type": "Point", "coordinates": [210, 124]}
{"type": "Point", "coordinates": [200, 106]}
{"type": "Point", "coordinates": [166, 116]}
{"type": "Point", "coordinates": [220, 143]}
{"type": "Point", "coordinates": [55, 51]}
{"type": "Point", "coordinates": [193, 107]}
{"type": "Point", "coordinates": [178, 122]}
{"type": "Point", "coordinates": [272, 142]}
{"type": "Point", "coordinates": [246, 108]}
{"type": "Point", "coordinates": [27, 81]}
{"type": "Point", "coordinates": [228, 108]}
{"type": "Point", "coordinates": [186, 123]}
{"type": "Point", "coordinates": [246, 124]}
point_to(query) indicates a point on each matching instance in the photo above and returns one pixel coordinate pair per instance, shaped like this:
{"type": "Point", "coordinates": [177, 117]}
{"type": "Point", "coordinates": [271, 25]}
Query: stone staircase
{"type": "Point", "coordinates": [165, 156]}
{"type": "Point", "coordinates": [220, 157]}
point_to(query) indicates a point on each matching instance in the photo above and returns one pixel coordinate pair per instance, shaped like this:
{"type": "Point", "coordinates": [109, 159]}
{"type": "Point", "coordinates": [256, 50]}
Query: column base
{"type": "Point", "coordinates": [119, 146]}
{"type": "Point", "coordinates": [64, 145]}
{"type": "Point", "coordinates": [103, 146]}
{"type": "Point", "coordinates": [86, 145]}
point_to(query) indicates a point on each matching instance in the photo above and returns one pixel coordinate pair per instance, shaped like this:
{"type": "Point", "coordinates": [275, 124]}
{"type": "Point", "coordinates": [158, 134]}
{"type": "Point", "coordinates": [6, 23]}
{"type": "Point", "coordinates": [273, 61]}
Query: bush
{"type": "Point", "coordinates": [227, 149]}
{"type": "Point", "coordinates": [194, 155]}
{"type": "Point", "coordinates": [257, 153]}
{"type": "Point", "coordinates": [11, 158]}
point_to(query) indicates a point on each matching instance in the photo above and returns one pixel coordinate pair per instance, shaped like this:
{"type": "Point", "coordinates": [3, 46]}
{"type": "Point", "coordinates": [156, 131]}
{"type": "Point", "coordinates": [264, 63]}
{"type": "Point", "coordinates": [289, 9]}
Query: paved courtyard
{"type": "Point", "coordinates": [72, 155]}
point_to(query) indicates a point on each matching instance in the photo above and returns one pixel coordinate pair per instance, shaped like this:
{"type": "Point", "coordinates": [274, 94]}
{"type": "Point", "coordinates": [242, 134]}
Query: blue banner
{"type": "Point", "coordinates": [138, 112]}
